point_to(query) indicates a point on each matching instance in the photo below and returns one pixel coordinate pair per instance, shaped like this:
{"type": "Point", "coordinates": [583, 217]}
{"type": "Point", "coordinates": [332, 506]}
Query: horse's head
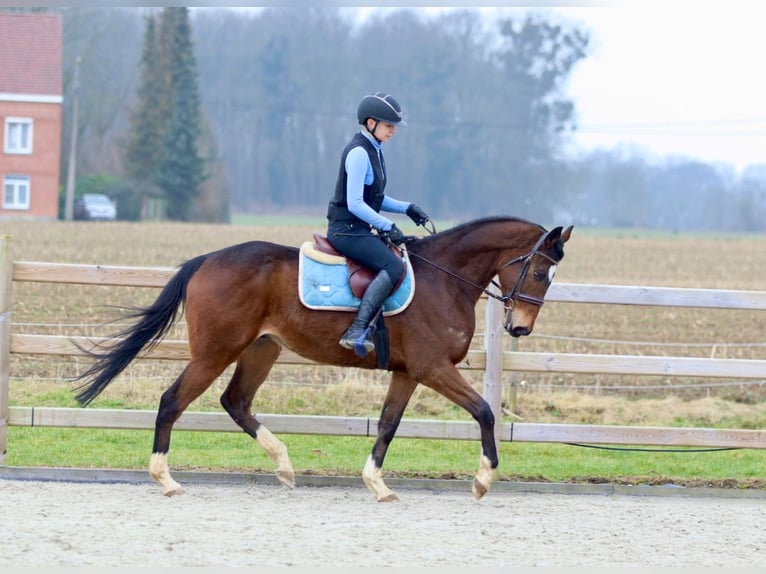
{"type": "Point", "coordinates": [525, 279]}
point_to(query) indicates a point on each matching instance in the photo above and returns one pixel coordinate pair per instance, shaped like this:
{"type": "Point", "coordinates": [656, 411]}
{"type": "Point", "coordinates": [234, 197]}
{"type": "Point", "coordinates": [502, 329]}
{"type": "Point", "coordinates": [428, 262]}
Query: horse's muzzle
{"type": "Point", "coordinates": [518, 331]}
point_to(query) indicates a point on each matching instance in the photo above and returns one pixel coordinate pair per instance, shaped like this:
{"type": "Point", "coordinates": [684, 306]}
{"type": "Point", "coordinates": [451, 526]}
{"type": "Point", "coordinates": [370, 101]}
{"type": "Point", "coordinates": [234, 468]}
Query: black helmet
{"type": "Point", "coordinates": [381, 107]}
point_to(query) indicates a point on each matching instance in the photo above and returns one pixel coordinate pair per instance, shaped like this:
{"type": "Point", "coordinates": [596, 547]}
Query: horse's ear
{"type": "Point", "coordinates": [557, 234]}
{"type": "Point", "coordinates": [553, 236]}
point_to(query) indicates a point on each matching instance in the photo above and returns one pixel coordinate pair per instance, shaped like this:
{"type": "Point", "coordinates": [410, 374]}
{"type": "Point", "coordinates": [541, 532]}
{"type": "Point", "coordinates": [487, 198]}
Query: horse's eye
{"type": "Point", "coordinates": [543, 275]}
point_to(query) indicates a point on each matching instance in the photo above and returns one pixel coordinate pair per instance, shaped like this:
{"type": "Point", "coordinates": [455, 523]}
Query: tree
{"type": "Point", "coordinates": [750, 204]}
{"type": "Point", "coordinates": [535, 59]}
{"type": "Point", "coordinates": [164, 141]}
{"type": "Point", "coordinates": [487, 118]}
{"type": "Point", "coordinates": [145, 137]}
{"type": "Point", "coordinates": [107, 79]}
{"type": "Point", "coordinates": [212, 204]}
{"type": "Point", "coordinates": [180, 170]}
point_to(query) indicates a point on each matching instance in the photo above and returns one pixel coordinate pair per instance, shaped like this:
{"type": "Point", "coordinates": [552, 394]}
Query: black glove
{"type": "Point", "coordinates": [417, 215]}
{"type": "Point", "coordinates": [395, 236]}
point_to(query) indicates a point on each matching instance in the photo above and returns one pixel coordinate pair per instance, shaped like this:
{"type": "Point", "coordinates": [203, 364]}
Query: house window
{"type": "Point", "coordinates": [16, 192]}
{"type": "Point", "coordinates": [18, 135]}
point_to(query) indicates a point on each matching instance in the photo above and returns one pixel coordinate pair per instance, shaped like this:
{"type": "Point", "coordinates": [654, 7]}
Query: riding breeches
{"type": "Point", "coordinates": [357, 242]}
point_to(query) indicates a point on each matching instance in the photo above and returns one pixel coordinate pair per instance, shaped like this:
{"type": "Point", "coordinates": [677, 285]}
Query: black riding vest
{"type": "Point", "coordinates": [372, 195]}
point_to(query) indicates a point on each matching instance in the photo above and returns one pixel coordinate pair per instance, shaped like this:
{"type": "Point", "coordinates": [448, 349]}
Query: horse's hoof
{"type": "Point", "coordinates": [478, 489]}
{"type": "Point", "coordinates": [390, 497]}
{"type": "Point", "coordinates": [286, 478]}
{"type": "Point", "coordinates": [173, 491]}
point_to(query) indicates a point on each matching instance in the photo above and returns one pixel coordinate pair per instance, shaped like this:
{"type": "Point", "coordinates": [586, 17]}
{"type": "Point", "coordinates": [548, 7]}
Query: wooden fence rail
{"type": "Point", "coordinates": [492, 360]}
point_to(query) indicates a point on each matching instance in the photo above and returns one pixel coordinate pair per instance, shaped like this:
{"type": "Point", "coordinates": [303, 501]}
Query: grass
{"type": "Point", "coordinates": [345, 456]}
{"type": "Point", "coordinates": [623, 257]}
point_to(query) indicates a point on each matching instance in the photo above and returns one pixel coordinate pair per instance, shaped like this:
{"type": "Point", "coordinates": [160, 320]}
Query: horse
{"type": "Point", "coordinates": [240, 306]}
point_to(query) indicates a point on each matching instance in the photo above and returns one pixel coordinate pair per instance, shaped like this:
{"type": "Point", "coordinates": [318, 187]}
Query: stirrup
{"type": "Point", "coordinates": [361, 343]}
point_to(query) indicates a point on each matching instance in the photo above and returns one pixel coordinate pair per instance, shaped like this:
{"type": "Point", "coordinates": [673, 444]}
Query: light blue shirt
{"type": "Point", "coordinates": [360, 173]}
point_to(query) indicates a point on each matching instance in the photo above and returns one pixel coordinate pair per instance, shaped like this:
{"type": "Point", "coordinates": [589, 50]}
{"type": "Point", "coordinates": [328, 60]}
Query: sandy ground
{"type": "Point", "coordinates": [91, 524]}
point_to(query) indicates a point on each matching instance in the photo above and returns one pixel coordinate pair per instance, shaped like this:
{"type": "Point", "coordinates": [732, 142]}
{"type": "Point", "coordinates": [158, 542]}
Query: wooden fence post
{"type": "Point", "coordinates": [493, 347]}
{"type": "Point", "coordinates": [6, 280]}
{"type": "Point", "coordinates": [513, 383]}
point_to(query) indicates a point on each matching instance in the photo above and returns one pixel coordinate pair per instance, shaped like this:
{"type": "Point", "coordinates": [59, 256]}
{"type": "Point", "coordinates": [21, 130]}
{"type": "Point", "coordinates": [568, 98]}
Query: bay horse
{"type": "Point", "coordinates": [241, 306]}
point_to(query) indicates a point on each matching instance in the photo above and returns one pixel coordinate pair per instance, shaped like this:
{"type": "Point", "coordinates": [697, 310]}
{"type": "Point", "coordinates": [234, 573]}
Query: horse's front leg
{"type": "Point", "coordinates": [450, 383]}
{"type": "Point", "coordinates": [399, 392]}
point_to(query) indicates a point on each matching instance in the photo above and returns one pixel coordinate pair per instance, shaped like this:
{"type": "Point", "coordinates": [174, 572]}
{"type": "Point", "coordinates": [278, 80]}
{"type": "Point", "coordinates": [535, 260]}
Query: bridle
{"type": "Point", "coordinates": [515, 294]}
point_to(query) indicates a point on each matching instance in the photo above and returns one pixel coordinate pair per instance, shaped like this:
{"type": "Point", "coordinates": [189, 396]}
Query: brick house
{"type": "Point", "coordinates": [31, 97]}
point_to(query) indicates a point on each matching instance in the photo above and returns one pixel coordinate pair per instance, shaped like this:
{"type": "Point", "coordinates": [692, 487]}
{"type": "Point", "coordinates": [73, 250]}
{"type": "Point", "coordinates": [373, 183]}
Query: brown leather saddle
{"type": "Point", "coordinates": [359, 276]}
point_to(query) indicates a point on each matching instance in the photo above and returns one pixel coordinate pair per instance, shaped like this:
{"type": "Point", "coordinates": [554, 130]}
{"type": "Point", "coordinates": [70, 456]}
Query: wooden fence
{"type": "Point", "coordinates": [493, 360]}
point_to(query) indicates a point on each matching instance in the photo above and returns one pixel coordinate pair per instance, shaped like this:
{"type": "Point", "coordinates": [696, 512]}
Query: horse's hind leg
{"type": "Point", "coordinates": [189, 385]}
{"type": "Point", "coordinates": [253, 366]}
{"type": "Point", "coordinates": [399, 392]}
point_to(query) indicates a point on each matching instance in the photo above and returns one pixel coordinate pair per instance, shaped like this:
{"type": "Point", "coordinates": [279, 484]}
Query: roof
{"type": "Point", "coordinates": [31, 54]}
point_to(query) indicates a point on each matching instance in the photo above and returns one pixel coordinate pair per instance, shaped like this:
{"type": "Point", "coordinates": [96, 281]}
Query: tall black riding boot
{"type": "Point", "coordinates": [372, 300]}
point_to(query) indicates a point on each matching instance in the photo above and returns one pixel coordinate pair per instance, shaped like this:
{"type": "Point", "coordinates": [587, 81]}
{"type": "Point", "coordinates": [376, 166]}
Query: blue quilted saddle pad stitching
{"type": "Point", "coordinates": [323, 285]}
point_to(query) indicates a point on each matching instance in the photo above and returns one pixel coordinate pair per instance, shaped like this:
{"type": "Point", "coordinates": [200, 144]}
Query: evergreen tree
{"type": "Point", "coordinates": [180, 171]}
{"type": "Point", "coordinates": [163, 144]}
{"type": "Point", "coordinates": [147, 120]}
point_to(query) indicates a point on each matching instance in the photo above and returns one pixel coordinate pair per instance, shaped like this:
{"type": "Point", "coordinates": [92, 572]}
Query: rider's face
{"type": "Point", "coordinates": [384, 130]}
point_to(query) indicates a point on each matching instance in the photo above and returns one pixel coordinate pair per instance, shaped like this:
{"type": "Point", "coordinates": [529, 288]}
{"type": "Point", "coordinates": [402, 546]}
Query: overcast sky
{"type": "Point", "coordinates": [672, 77]}
{"type": "Point", "coordinates": [675, 78]}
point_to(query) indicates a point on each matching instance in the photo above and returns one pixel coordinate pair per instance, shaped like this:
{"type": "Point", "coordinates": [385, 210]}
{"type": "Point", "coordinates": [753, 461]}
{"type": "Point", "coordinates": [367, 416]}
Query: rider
{"type": "Point", "coordinates": [354, 210]}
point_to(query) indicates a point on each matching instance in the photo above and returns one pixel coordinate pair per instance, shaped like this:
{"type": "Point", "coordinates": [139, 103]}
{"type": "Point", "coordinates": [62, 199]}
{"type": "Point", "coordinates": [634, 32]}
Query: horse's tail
{"type": "Point", "coordinates": [153, 323]}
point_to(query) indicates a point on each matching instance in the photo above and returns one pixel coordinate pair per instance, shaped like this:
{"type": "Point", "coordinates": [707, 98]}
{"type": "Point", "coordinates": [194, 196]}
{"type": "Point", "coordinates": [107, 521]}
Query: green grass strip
{"type": "Point", "coordinates": [345, 456]}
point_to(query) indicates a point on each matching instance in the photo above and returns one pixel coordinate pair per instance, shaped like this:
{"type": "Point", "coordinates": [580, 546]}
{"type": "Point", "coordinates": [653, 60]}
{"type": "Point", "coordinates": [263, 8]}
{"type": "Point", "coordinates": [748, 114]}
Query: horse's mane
{"type": "Point", "coordinates": [468, 226]}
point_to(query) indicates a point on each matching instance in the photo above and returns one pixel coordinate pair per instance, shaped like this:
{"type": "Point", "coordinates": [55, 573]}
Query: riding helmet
{"type": "Point", "coordinates": [382, 107]}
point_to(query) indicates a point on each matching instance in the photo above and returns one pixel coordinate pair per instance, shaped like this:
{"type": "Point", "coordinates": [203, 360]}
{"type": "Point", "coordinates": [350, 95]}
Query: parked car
{"type": "Point", "coordinates": [95, 206]}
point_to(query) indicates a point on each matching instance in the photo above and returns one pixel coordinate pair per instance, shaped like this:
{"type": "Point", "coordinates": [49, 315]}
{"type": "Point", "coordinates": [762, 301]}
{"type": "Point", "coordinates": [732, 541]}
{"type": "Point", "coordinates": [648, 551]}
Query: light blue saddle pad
{"type": "Point", "coordinates": [323, 284]}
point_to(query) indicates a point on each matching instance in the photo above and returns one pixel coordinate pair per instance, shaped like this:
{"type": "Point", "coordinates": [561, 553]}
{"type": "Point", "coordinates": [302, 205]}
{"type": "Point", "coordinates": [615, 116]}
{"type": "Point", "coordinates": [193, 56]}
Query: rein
{"type": "Point", "coordinates": [458, 277]}
{"type": "Point", "coordinates": [508, 298]}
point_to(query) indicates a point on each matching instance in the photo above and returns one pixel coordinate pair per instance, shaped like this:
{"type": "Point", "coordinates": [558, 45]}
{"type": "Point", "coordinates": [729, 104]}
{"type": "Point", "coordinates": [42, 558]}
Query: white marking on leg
{"type": "Point", "coordinates": [483, 479]}
{"type": "Point", "coordinates": [159, 471]}
{"type": "Point", "coordinates": [277, 452]}
{"type": "Point", "coordinates": [373, 478]}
